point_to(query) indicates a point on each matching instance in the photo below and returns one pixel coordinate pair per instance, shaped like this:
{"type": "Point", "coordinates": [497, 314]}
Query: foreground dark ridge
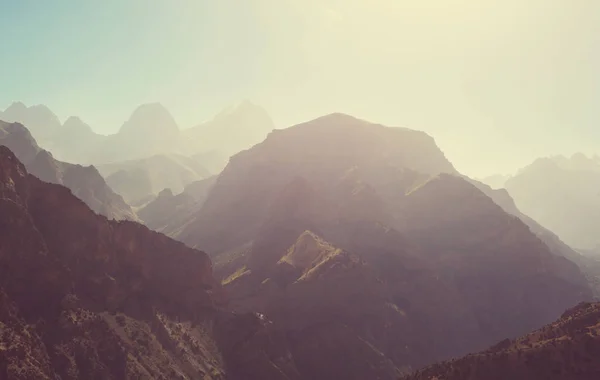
{"type": "Point", "coordinates": [567, 349]}
{"type": "Point", "coordinates": [82, 297]}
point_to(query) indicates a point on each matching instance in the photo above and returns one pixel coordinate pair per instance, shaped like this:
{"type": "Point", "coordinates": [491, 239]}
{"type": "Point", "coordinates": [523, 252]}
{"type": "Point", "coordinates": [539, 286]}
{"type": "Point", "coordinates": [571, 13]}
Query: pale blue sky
{"type": "Point", "coordinates": [497, 83]}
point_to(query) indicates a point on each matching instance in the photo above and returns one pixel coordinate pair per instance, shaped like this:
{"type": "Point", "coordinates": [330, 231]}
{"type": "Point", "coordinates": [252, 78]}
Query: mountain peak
{"type": "Point", "coordinates": [16, 106]}
{"type": "Point", "coordinates": [75, 124]}
{"type": "Point", "coordinates": [151, 117]}
{"type": "Point", "coordinates": [38, 117]}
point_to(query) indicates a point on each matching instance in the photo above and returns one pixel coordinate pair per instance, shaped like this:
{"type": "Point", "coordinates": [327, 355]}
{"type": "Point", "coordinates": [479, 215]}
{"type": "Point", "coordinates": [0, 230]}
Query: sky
{"type": "Point", "coordinates": [496, 83]}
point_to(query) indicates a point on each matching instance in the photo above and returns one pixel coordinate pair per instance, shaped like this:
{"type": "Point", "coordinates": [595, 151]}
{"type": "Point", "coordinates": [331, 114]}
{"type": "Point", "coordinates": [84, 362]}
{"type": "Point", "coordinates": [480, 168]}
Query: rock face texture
{"type": "Point", "coordinates": [567, 349]}
{"type": "Point", "coordinates": [82, 297]}
{"type": "Point", "coordinates": [85, 182]}
{"type": "Point", "coordinates": [371, 254]}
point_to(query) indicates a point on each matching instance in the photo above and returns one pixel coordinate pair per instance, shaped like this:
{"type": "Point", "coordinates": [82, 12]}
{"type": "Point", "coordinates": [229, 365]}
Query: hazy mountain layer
{"type": "Point", "coordinates": [563, 195]}
{"type": "Point", "coordinates": [151, 130]}
{"type": "Point", "coordinates": [168, 212]}
{"type": "Point", "coordinates": [138, 179]}
{"type": "Point", "coordinates": [234, 129]}
{"type": "Point", "coordinates": [85, 182]}
{"type": "Point", "coordinates": [564, 350]}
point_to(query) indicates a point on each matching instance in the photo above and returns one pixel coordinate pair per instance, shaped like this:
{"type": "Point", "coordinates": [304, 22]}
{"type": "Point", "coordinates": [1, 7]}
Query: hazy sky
{"type": "Point", "coordinates": [497, 83]}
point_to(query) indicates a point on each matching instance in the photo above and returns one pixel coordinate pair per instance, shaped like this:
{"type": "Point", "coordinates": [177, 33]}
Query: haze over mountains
{"type": "Point", "coordinates": [563, 194]}
{"type": "Point", "coordinates": [150, 130]}
{"type": "Point", "coordinates": [337, 248]}
{"type": "Point", "coordinates": [358, 236]}
{"type": "Point", "coordinates": [85, 182]}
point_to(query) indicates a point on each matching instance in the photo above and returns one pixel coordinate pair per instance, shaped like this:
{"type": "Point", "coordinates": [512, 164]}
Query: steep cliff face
{"type": "Point", "coordinates": [564, 350]}
{"type": "Point", "coordinates": [85, 182]}
{"type": "Point", "coordinates": [85, 297]}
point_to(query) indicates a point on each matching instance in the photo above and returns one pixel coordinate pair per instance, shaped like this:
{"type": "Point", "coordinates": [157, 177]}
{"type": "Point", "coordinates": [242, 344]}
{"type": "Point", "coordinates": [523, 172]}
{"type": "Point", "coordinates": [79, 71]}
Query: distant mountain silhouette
{"type": "Point", "coordinates": [82, 297]}
{"type": "Point", "coordinates": [85, 182]}
{"type": "Point", "coordinates": [138, 179]}
{"type": "Point", "coordinates": [563, 194]}
{"type": "Point", "coordinates": [74, 141]}
{"type": "Point", "coordinates": [150, 130]}
{"type": "Point", "coordinates": [234, 129]}
{"type": "Point", "coordinates": [567, 349]}
{"type": "Point", "coordinates": [41, 121]}
{"type": "Point", "coordinates": [371, 252]}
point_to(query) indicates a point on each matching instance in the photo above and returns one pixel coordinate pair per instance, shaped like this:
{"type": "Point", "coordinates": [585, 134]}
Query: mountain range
{"type": "Point", "coordinates": [362, 241]}
{"type": "Point", "coordinates": [336, 248]}
{"type": "Point", "coordinates": [85, 182]}
{"type": "Point", "coordinates": [150, 130]}
{"type": "Point", "coordinates": [562, 194]}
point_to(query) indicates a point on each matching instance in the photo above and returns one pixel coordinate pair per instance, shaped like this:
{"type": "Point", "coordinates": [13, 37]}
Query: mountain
{"type": "Point", "coordinates": [150, 130]}
{"type": "Point", "coordinates": [70, 142]}
{"type": "Point", "coordinates": [42, 122]}
{"type": "Point", "coordinates": [74, 141]}
{"type": "Point", "coordinates": [371, 253]}
{"type": "Point", "coordinates": [168, 212]}
{"type": "Point", "coordinates": [562, 194]}
{"type": "Point", "coordinates": [85, 182]}
{"type": "Point", "coordinates": [138, 179]}
{"type": "Point", "coordinates": [564, 350]}
{"type": "Point", "coordinates": [234, 129]}
{"type": "Point", "coordinates": [83, 297]}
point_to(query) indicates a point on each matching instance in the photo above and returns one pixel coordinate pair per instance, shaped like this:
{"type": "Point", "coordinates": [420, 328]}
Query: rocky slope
{"type": "Point", "coordinates": [564, 350]}
{"type": "Point", "coordinates": [85, 182]}
{"type": "Point", "coordinates": [362, 241]}
{"type": "Point", "coordinates": [82, 297]}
